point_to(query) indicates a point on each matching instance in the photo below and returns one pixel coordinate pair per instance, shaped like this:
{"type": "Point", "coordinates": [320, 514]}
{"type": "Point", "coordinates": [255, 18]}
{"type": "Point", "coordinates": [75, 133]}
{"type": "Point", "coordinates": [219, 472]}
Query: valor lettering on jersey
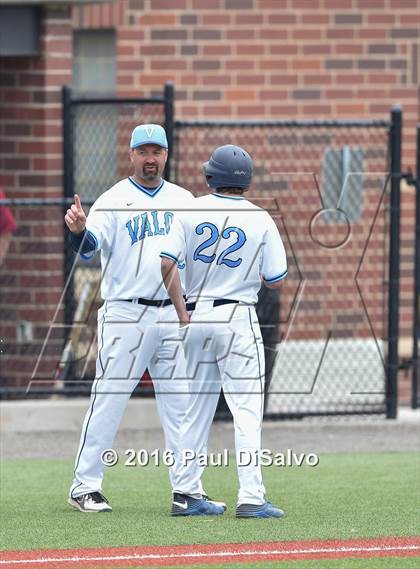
{"type": "Point", "coordinates": [148, 225]}
{"type": "Point", "coordinates": [169, 217]}
{"type": "Point", "coordinates": [158, 230]}
{"type": "Point", "coordinates": [145, 227]}
{"type": "Point", "coordinates": [133, 228]}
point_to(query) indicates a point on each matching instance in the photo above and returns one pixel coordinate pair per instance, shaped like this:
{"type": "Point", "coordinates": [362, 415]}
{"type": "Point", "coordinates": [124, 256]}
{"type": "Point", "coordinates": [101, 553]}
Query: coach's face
{"type": "Point", "coordinates": [149, 162]}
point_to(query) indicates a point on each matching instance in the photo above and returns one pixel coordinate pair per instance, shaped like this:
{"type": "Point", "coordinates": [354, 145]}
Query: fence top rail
{"type": "Point", "coordinates": [115, 101]}
{"type": "Point", "coordinates": [342, 123]}
{"type": "Point", "coordinates": [17, 202]}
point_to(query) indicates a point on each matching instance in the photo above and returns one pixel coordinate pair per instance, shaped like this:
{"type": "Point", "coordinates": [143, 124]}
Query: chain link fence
{"type": "Point", "coordinates": [327, 184]}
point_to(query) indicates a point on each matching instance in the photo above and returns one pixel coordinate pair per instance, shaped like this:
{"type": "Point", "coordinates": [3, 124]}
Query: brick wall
{"type": "Point", "coordinates": [31, 280]}
{"type": "Point", "coordinates": [269, 58]}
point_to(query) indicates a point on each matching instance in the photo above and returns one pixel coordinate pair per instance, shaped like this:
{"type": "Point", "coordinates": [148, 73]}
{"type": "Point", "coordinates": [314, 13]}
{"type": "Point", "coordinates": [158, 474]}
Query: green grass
{"type": "Point", "coordinates": [345, 496]}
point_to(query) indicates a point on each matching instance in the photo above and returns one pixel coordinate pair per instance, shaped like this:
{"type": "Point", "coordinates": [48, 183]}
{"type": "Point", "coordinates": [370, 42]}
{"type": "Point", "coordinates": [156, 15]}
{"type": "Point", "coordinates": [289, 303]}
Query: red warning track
{"type": "Point", "coordinates": [185, 555]}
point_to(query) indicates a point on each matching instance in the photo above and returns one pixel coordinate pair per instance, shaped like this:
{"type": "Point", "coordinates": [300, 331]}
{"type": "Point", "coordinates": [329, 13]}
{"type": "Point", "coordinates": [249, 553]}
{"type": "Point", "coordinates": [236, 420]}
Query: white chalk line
{"type": "Point", "coordinates": [153, 556]}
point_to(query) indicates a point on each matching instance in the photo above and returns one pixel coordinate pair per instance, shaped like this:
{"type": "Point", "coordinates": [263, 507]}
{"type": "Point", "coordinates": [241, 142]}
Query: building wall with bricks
{"type": "Point", "coordinates": [31, 166]}
{"type": "Point", "coordinates": [273, 59]}
{"type": "Point", "coordinates": [268, 58]}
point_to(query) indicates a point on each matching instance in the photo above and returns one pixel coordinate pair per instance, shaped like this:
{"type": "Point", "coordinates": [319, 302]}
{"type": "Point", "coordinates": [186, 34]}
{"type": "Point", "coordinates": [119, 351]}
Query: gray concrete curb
{"type": "Point", "coordinates": [47, 415]}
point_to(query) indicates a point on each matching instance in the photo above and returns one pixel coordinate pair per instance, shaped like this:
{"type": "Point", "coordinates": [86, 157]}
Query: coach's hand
{"type": "Point", "coordinates": [75, 217]}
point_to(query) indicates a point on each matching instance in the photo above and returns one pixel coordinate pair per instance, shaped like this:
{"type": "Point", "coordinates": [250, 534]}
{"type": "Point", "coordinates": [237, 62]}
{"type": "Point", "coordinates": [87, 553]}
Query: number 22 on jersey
{"type": "Point", "coordinates": [223, 258]}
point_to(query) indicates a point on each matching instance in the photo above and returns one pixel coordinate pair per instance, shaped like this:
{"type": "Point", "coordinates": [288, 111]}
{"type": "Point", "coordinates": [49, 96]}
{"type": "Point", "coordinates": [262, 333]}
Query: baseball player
{"type": "Point", "coordinates": [229, 245]}
{"type": "Point", "coordinates": [136, 323]}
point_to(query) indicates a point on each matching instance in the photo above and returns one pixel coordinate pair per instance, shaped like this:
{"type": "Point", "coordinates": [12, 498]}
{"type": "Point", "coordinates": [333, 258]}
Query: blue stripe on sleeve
{"type": "Point", "coordinates": [169, 256]}
{"type": "Point", "coordinates": [84, 242]}
{"type": "Point", "coordinates": [277, 278]}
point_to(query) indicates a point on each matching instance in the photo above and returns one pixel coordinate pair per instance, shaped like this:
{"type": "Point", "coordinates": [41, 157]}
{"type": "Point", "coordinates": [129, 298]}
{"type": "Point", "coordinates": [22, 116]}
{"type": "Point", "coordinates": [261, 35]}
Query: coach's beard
{"type": "Point", "coordinates": [150, 173]}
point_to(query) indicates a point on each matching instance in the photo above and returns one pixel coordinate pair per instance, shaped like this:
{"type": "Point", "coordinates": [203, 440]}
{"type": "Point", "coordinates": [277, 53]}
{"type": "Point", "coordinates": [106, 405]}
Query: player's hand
{"type": "Point", "coordinates": [184, 319]}
{"type": "Point", "coordinates": [75, 217]}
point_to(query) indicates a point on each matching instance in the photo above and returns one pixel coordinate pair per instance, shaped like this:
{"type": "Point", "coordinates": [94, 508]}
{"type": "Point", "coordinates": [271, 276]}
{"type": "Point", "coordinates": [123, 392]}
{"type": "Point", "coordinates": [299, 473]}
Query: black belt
{"type": "Point", "coordinates": [218, 302]}
{"type": "Point", "coordinates": [147, 302]}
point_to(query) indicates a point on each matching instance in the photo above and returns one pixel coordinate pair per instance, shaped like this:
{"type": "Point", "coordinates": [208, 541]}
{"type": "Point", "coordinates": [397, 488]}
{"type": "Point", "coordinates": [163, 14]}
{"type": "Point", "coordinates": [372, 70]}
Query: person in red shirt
{"type": "Point", "coordinates": [7, 227]}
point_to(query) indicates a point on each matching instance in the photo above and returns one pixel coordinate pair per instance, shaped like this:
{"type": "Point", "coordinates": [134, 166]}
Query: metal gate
{"type": "Point", "coordinates": [96, 155]}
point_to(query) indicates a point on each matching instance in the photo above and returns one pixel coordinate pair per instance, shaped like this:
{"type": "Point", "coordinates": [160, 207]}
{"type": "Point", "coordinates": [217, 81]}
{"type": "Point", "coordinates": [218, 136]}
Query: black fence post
{"type": "Point", "coordinates": [67, 142]}
{"type": "Point", "coordinates": [416, 319]}
{"type": "Point", "coordinates": [394, 265]}
{"type": "Point", "coordinates": [169, 126]}
{"type": "Point", "coordinates": [68, 179]}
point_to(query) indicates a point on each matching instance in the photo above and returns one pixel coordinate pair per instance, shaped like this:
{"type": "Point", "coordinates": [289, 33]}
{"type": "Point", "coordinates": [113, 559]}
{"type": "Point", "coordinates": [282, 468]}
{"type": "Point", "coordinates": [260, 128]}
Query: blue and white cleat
{"type": "Point", "coordinates": [266, 510]}
{"type": "Point", "coordinates": [215, 502]}
{"type": "Point", "coordinates": [183, 505]}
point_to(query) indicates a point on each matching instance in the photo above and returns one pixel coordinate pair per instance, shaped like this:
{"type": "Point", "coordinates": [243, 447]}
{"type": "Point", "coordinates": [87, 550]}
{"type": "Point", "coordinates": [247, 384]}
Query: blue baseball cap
{"type": "Point", "coordinates": [148, 134]}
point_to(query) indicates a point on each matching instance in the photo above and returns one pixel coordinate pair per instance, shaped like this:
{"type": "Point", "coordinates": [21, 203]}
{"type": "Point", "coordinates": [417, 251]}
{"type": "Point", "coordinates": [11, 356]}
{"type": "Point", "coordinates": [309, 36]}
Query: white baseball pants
{"type": "Point", "coordinates": [131, 338]}
{"type": "Point", "coordinates": [224, 348]}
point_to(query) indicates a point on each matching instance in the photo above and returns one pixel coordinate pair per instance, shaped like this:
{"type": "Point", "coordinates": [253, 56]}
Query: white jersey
{"type": "Point", "coordinates": [228, 245]}
{"type": "Point", "coordinates": [129, 224]}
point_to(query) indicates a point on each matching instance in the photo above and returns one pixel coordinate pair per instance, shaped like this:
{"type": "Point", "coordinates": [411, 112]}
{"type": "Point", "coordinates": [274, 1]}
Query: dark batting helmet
{"type": "Point", "coordinates": [229, 166]}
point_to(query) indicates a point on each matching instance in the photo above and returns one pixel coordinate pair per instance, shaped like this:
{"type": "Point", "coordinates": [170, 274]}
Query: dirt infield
{"type": "Point", "coordinates": [185, 555]}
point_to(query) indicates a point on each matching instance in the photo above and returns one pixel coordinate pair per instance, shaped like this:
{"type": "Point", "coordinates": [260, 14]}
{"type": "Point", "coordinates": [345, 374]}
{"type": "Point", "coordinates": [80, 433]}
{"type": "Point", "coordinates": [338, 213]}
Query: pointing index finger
{"type": "Point", "coordinates": [77, 201]}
